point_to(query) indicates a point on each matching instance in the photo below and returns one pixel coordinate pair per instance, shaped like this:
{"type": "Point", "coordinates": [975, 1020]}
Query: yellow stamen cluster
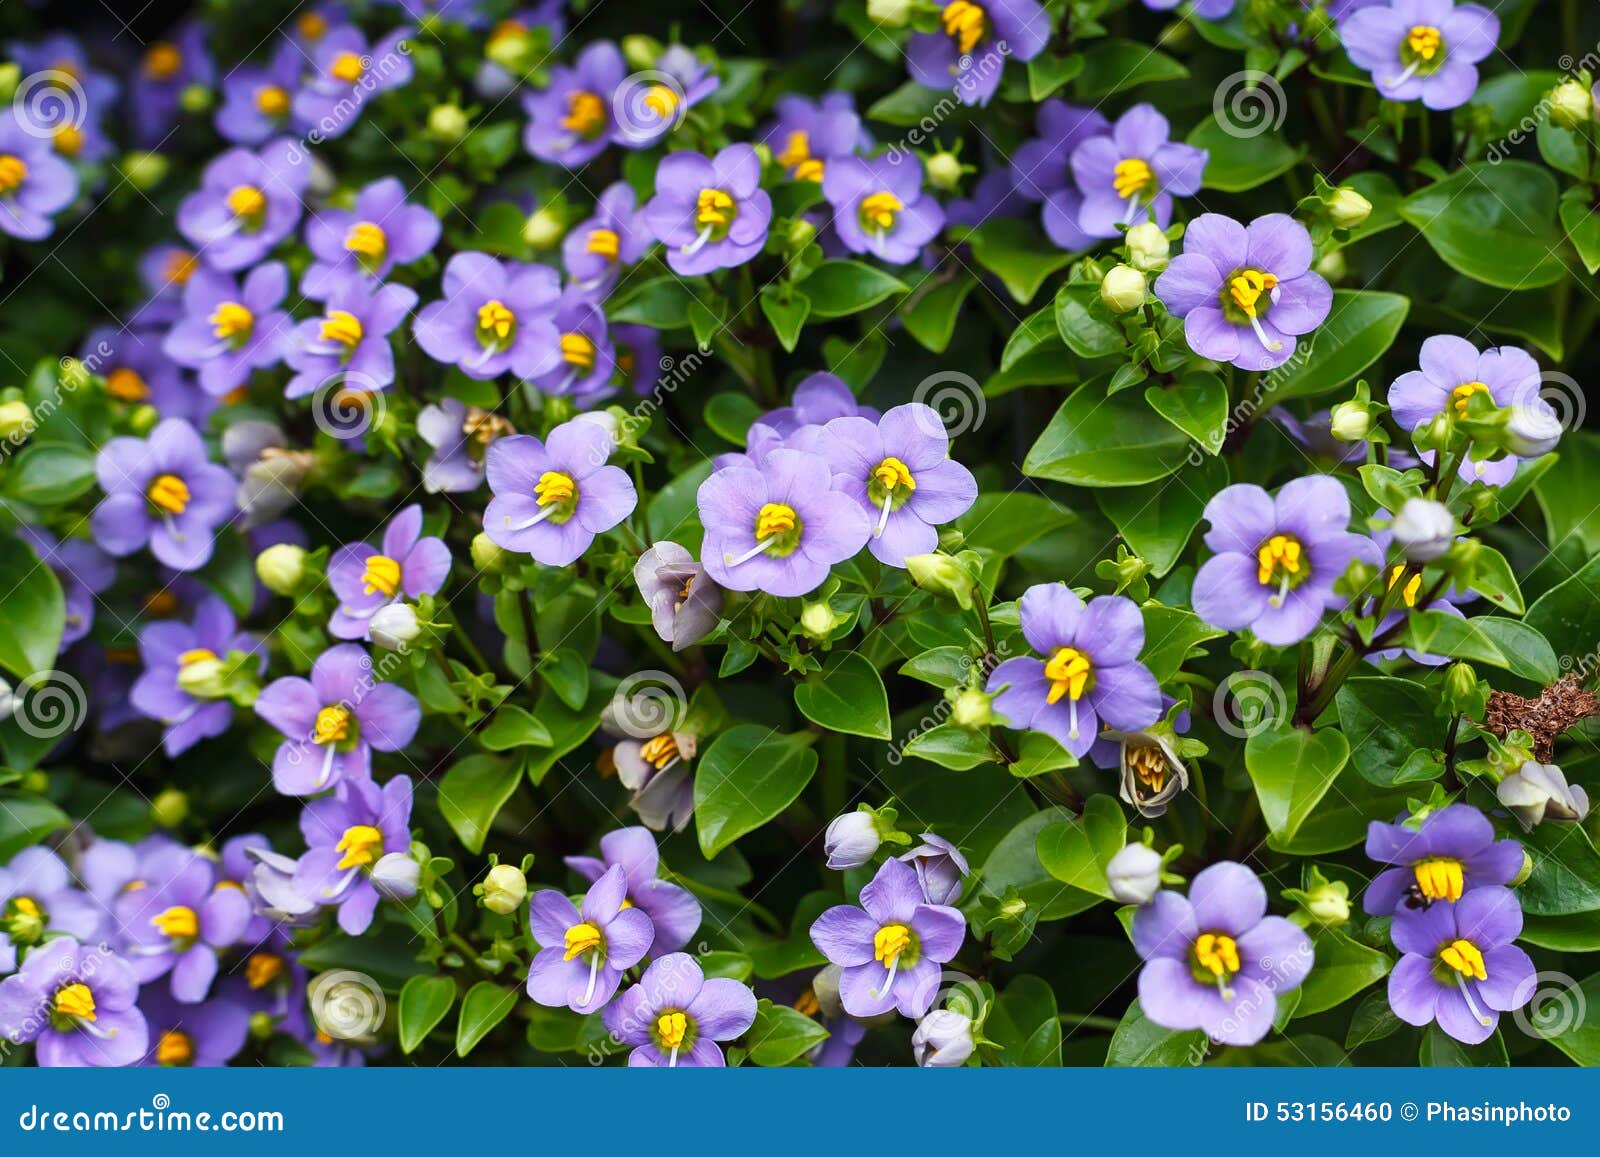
{"type": "Point", "coordinates": [13, 171]}
{"type": "Point", "coordinates": [169, 493]}
{"type": "Point", "coordinates": [1246, 289]}
{"type": "Point", "coordinates": [348, 67]}
{"type": "Point", "coordinates": [262, 969]}
{"type": "Point", "coordinates": [163, 60]}
{"type": "Point", "coordinates": [774, 518]}
{"type": "Point", "coordinates": [272, 100]}
{"type": "Point", "coordinates": [1440, 879]}
{"type": "Point", "coordinates": [495, 318]}
{"type": "Point", "coordinates": [366, 240]}
{"type": "Point", "coordinates": [482, 426]}
{"type": "Point", "coordinates": [246, 201]}
{"type": "Point", "coordinates": [1130, 177]}
{"type": "Point", "coordinates": [1217, 954]}
{"type": "Point", "coordinates": [332, 725]}
{"type": "Point", "coordinates": [181, 267]}
{"type": "Point", "coordinates": [892, 473]}
{"type": "Point", "coordinates": [577, 350]}
{"type": "Point", "coordinates": [361, 845]}
{"type": "Point", "coordinates": [1464, 957]}
{"type": "Point", "coordinates": [25, 905]}
{"type": "Point", "coordinates": [126, 385]}
{"type": "Point", "coordinates": [879, 209]}
{"type": "Point", "coordinates": [1462, 394]}
{"type": "Point", "coordinates": [177, 922]}
{"type": "Point", "coordinates": [1149, 764]}
{"type": "Point", "coordinates": [713, 207]}
{"type": "Point", "coordinates": [381, 576]}
{"type": "Point", "coordinates": [1279, 554]}
{"type": "Point", "coordinates": [1409, 591]}
{"type": "Point", "coordinates": [672, 1027]}
{"type": "Point", "coordinates": [1424, 41]}
{"type": "Point", "coordinates": [586, 113]}
{"type": "Point", "coordinates": [660, 751]}
{"type": "Point", "coordinates": [965, 23]}
{"type": "Point", "coordinates": [312, 26]}
{"type": "Point", "coordinates": [603, 243]}
{"type": "Point", "coordinates": [196, 655]}
{"type": "Point", "coordinates": [341, 326]}
{"type": "Point", "coordinates": [174, 1048]}
{"type": "Point", "coordinates": [1068, 671]}
{"type": "Point", "coordinates": [889, 942]}
{"type": "Point", "coordinates": [662, 100]}
{"type": "Point", "coordinates": [581, 938]}
{"type": "Point", "coordinates": [554, 488]}
{"type": "Point", "coordinates": [68, 141]}
{"type": "Point", "coordinates": [231, 320]}
{"type": "Point", "coordinates": [75, 1000]}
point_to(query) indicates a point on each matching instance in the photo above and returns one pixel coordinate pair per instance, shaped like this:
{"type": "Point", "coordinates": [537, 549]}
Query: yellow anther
{"type": "Point", "coordinates": [577, 350]}
{"type": "Point", "coordinates": [1131, 176]}
{"type": "Point", "coordinates": [177, 922]}
{"type": "Point", "coordinates": [181, 267]}
{"type": "Point", "coordinates": [75, 1000]}
{"type": "Point", "coordinates": [332, 726]}
{"type": "Point", "coordinates": [1246, 289]}
{"type": "Point", "coordinates": [494, 318]}
{"type": "Point", "coordinates": [126, 385]}
{"type": "Point", "coordinates": [25, 905]}
{"type": "Point", "coordinates": [1464, 957]}
{"type": "Point", "coordinates": [603, 243]}
{"type": "Point", "coordinates": [580, 939]}
{"type": "Point", "coordinates": [312, 26]}
{"type": "Point", "coordinates": [361, 845]}
{"type": "Point", "coordinates": [1068, 671]}
{"type": "Point", "coordinates": [13, 171]}
{"type": "Point", "coordinates": [246, 201]}
{"type": "Point", "coordinates": [879, 209]}
{"type": "Point", "coordinates": [1217, 954]}
{"type": "Point", "coordinates": [366, 240]}
{"type": "Point", "coordinates": [1424, 41]}
{"type": "Point", "coordinates": [1279, 555]}
{"type": "Point", "coordinates": [348, 67]}
{"type": "Point", "coordinates": [382, 576]}
{"type": "Point", "coordinates": [1409, 591]}
{"type": "Point", "coordinates": [774, 518]}
{"type": "Point", "coordinates": [1149, 764]}
{"type": "Point", "coordinates": [170, 493]}
{"type": "Point", "coordinates": [230, 320]}
{"type": "Point", "coordinates": [163, 60]}
{"type": "Point", "coordinates": [174, 1048]}
{"type": "Point", "coordinates": [1462, 394]}
{"type": "Point", "coordinates": [506, 30]}
{"type": "Point", "coordinates": [660, 751]}
{"type": "Point", "coordinates": [482, 426]}
{"type": "Point", "coordinates": [68, 141]}
{"type": "Point", "coordinates": [889, 942]}
{"type": "Point", "coordinates": [1440, 879]}
{"type": "Point", "coordinates": [713, 207]}
{"type": "Point", "coordinates": [892, 474]}
{"type": "Point", "coordinates": [272, 100]}
{"type": "Point", "coordinates": [342, 326]}
{"type": "Point", "coordinates": [965, 23]}
{"type": "Point", "coordinates": [672, 1027]}
{"type": "Point", "coordinates": [662, 100]}
{"type": "Point", "coordinates": [262, 969]}
{"type": "Point", "coordinates": [807, 1004]}
{"type": "Point", "coordinates": [586, 113]}
{"type": "Point", "coordinates": [811, 169]}
{"type": "Point", "coordinates": [554, 488]}
{"type": "Point", "coordinates": [796, 148]}
{"type": "Point", "coordinates": [197, 655]}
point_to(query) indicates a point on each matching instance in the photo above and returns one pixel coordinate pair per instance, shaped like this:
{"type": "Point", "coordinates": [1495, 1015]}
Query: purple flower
{"type": "Point", "coordinates": [1133, 173]}
{"type": "Point", "coordinates": [1245, 294]}
{"type": "Point", "coordinates": [970, 51]}
{"type": "Point", "coordinates": [173, 652]}
{"type": "Point", "coordinates": [408, 566]}
{"type": "Point", "coordinates": [818, 399]}
{"type": "Point", "coordinates": [37, 899]}
{"type": "Point", "coordinates": [1042, 167]}
{"type": "Point", "coordinates": [1452, 370]}
{"type": "Point", "coordinates": [76, 1004]}
{"type": "Point", "coordinates": [247, 202]}
{"type": "Point", "coordinates": [382, 230]}
{"type": "Point", "coordinates": [654, 767]}
{"type": "Point", "coordinates": [495, 316]}
{"type": "Point", "coordinates": [179, 920]}
{"type": "Point", "coordinates": [1091, 661]}
{"type": "Point", "coordinates": [586, 364]}
{"type": "Point", "coordinates": [346, 834]}
{"type": "Point", "coordinates": [778, 528]}
{"type": "Point", "coordinates": [941, 868]}
{"type": "Point", "coordinates": [651, 104]}
{"type": "Point", "coordinates": [675, 1016]}
{"type": "Point", "coordinates": [334, 721]}
{"type": "Point", "coordinates": [899, 471]}
{"type": "Point", "coordinates": [1453, 851]}
{"type": "Point", "coordinates": [169, 67]}
{"type": "Point", "coordinates": [1277, 559]}
{"type": "Point", "coordinates": [350, 341]}
{"type": "Point", "coordinates": [1459, 967]}
{"type": "Point", "coordinates": [1421, 49]}
{"type": "Point", "coordinates": [1206, 9]}
{"type": "Point", "coordinates": [685, 605]}
{"type": "Point", "coordinates": [710, 214]}
{"type": "Point", "coordinates": [994, 196]}
{"type": "Point", "coordinates": [571, 122]}
{"type": "Point", "coordinates": [61, 53]}
{"type": "Point", "coordinates": [138, 373]}
{"type": "Point", "coordinates": [161, 491]}
{"type": "Point", "coordinates": [673, 910]}
{"type": "Point", "coordinates": [201, 1036]}
{"type": "Point", "coordinates": [595, 250]}
{"type": "Point", "coordinates": [83, 570]}
{"type": "Point", "coordinates": [639, 360]}
{"type": "Point", "coordinates": [1216, 961]}
{"type": "Point", "coordinates": [256, 98]}
{"type": "Point", "coordinates": [345, 73]}
{"type": "Point", "coordinates": [807, 134]}
{"type": "Point", "coordinates": [583, 953]}
{"type": "Point", "coordinates": [879, 206]}
{"type": "Point", "coordinates": [164, 270]}
{"type": "Point", "coordinates": [228, 329]}
{"type": "Point", "coordinates": [892, 946]}
{"type": "Point", "coordinates": [35, 184]}
{"type": "Point", "coordinates": [551, 498]}
{"type": "Point", "coordinates": [460, 436]}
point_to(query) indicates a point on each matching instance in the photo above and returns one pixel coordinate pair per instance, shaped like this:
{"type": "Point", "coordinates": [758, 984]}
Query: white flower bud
{"type": "Point", "coordinates": [1424, 529]}
{"type": "Point", "coordinates": [1348, 208]}
{"type": "Point", "coordinates": [1148, 247]}
{"type": "Point", "coordinates": [944, 171]}
{"type": "Point", "coordinates": [281, 567]}
{"type": "Point", "coordinates": [504, 889]}
{"type": "Point", "coordinates": [1350, 422]}
{"type": "Point", "coordinates": [395, 876]}
{"type": "Point", "coordinates": [943, 1039]}
{"type": "Point", "coordinates": [544, 229]}
{"type": "Point", "coordinates": [395, 626]}
{"type": "Point", "coordinates": [1532, 430]}
{"type": "Point", "coordinates": [203, 678]}
{"type": "Point", "coordinates": [1123, 289]}
{"type": "Point", "coordinates": [447, 122]}
{"type": "Point", "coordinates": [1329, 905]}
{"type": "Point", "coordinates": [1570, 105]}
{"type": "Point", "coordinates": [851, 840]}
{"type": "Point", "coordinates": [1537, 792]}
{"type": "Point", "coordinates": [16, 421]}
{"type": "Point", "coordinates": [1134, 874]}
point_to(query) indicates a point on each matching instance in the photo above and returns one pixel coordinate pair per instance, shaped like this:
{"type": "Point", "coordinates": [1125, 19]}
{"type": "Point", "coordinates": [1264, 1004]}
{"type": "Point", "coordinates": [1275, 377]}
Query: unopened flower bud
{"type": "Point", "coordinates": [1148, 247]}
{"type": "Point", "coordinates": [170, 808]}
{"type": "Point", "coordinates": [801, 233]}
{"type": "Point", "coordinates": [942, 574]}
{"type": "Point", "coordinates": [145, 171]}
{"type": "Point", "coordinates": [396, 875]}
{"type": "Point", "coordinates": [195, 98]}
{"type": "Point", "coordinates": [819, 621]}
{"type": "Point", "coordinates": [504, 889]}
{"type": "Point", "coordinates": [1332, 266]}
{"type": "Point", "coordinates": [1525, 871]}
{"type": "Point", "coordinates": [395, 626]}
{"type": "Point", "coordinates": [972, 709]}
{"type": "Point", "coordinates": [1134, 874]}
{"type": "Point", "coordinates": [889, 13]}
{"type": "Point", "coordinates": [281, 567]}
{"type": "Point", "coordinates": [1570, 105]}
{"type": "Point", "coordinates": [943, 1039]}
{"type": "Point", "coordinates": [1123, 289]}
{"type": "Point", "coordinates": [851, 840]}
{"type": "Point", "coordinates": [203, 678]}
{"type": "Point", "coordinates": [825, 987]}
{"type": "Point", "coordinates": [508, 47]}
{"type": "Point", "coordinates": [1423, 529]}
{"type": "Point", "coordinates": [1531, 431]}
{"type": "Point", "coordinates": [16, 421]}
{"type": "Point", "coordinates": [1537, 792]}
{"type": "Point", "coordinates": [543, 229]}
{"type": "Point", "coordinates": [10, 77]}
{"type": "Point", "coordinates": [447, 123]}
{"type": "Point", "coordinates": [262, 1025]}
{"type": "Point", "coordinates": [487, 555]}
{"type": "Point", "coordinates": [1348, 208]}
{"type": "Point", "coordinates": [944, 171]}
{"type": "Point", "coordinates": [73, 375]}
{"type": "Point", "coordinates": [1329, 905]}
{"type": "Point", "coordinates": [640, 51]}
{"type": "Point", "coordinates": [1350, 422]}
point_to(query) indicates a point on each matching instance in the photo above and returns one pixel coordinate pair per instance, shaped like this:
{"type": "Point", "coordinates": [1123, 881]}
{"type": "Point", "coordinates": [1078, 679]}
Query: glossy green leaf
{"type": "Point", "coordinates": [847, 695]}
{"type": "Point", "coordinates": [1292, 769]}
{"type": "Point", "coordinates": [424, 1002]}
{"type": "Point", "coordinates": [747, 776]}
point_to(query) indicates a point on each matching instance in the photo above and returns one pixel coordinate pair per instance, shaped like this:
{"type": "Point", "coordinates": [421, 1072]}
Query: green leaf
{"type": "Point", "coordinates": [1077, 852]}
{"type": "Point", "coordinates": [1037, 334]}
{"type": "Point", "coordinates": [1094, 440]}
{"type": "Point", "coordinates": [1493, 578]}
{"type": "Point", "coordinates": [1113, 66]}
{"type": "Point", "coordinates": [512, 727]}
{"type": "Point", "coordinates": [1566, 871]}
{"type": "Point", "coordinates": [1238, 162]}
{"type": "Point", "coordinates": [1372, 1020]}
{"type": "Point", "coordinates": [32, 612]}
{"type": "Point", "coordinates": [950, 746]}
{"type": "Point", "coordinates": [568, 728]}
{"type": "Point", "coordinates": [1292, 769]}
{"type": "Point", "coordinates": [1343, 968]}
{"type": "Point", "coordinates": [1170, 636]}
{"type": "Point", "coordinates": [1157, 521]}
{"type": "Point", "coordinates": [1500, 642]}
{"type": "Point", "coordinates": [1085, 324]}
{"type": "Point", "coordinates": [1578, 932]}
{"type": "Point", "coordinates": [50, 474]}
{"type": "Point", "coordinates": [566, 673]}
{"type": "Point", "coordinates": [747, 776]}
{"type": "Point", "coordinates": [485, 1006]}
{"type": "Point", "coordinates": [1048, 72]}
{"type": "Point", "coordinates": [1570, 609]}
{"type": "Point", "coordinates": [1025, 1022]}
{"type": "Point", "coordinates": [931, 316]}
{"type": "Point", "coordinates": [661, 303]}
{"type": "Point", "coordinates": [1359, 328]}
{"type": "Point", "coordinates": [1017, 253]}
{"type": "Point", "coordinates": [1441, 1050]}
{"type": "Point", "coordinates": [840, 288]}
{"type": "Point", "coordinates": [1386, 719]}
{"type": "Point", "coordinates": [787, 309]}
{"type": "Point", "coordinates": [730, 415]}
{"type": "Point", "coordinates": [1005, 523]}
{"type": "Point", "coordinates": [1566, 1019]}
{"type": "Point", "coordinates": [26, 820]}
{"type": "Point", "coordinates": [387, 954]}
{"type": "Point", "coordinates": [943, 667]}
{"type": "Point", "coordinates": [1197, 405]}
{"type": "Point", "coordinates": [1038, 753]}
{"type": "Point", "coordinates": [472, 793]}
{"type": "Point", "coordinates": [1576, 472]}
{"type": "Point", "coordinates": [424, 1001]}
{"type": "Point", "coordinates": [782, 1035]}
{"type": "Point", "coordinates": [847, 695]}
{"type": "Point", "coordinates": [1582, 224]}
{"type": "Point", "coordinates": [1140, 1042]}
{"type": "Point", "coordinates": [909, 104]}
{"type": "Point", "coordinates": [1496, 223]}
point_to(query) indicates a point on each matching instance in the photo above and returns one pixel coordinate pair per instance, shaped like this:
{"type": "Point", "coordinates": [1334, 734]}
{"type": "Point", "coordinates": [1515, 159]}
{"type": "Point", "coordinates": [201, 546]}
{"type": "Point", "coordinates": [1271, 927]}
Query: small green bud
{"type": "Point", "coordinates": [504, 889]}
{"type": "Point", "coordinates": [889, 13]}
{"type": "Point", "coordinates": [944, 171]}
{"type": "Point", "coordinates": [1570, 105]}
{"type": "Point", "coordinates": [73, 375]}
{"type": "Point", "coordinates": [10, 77]}
{"type": "Point", "coordinates": [143, 419]}
{"type": "Point", "coordinates": [1148, 247]}
{"type": "Point", "coordinates": [641, 51]}
{"type": "Point", "coordinates": [1123, 289]}
{"type": "Point", "coordinates": [1464, 693]}
{"type": "Point", "coordinates": [1525, 871]}
{"type": "Point", "coordinates": [262, 1025]}
{"type": "Point", "coordinates": [144, 171]}
{"type": "Point", "coordinates": [203, 678]}
{"type": "Point", "coordinates": [1351, 422]}
{"type": "Point", "coordinates": [509, 49]}
{"type": "Point", "coordinates": [281, 567]}
{"type": "Point", "coordinates": [16, 421]}
{"type": "Point", "coordinates": [972, 709]}
{"type": "Point", "coordinates": [544, 229]}
{"type": "Point", "coordinates": [447, 123]}
{"type": "Point", "coordinates": [196, 98]}
{"type": "Point", "coordinates": [942, 574]}
{"type": "Point", "coordinates": [1333, 266]}
{"type": "Point", "coordinates": [819, 620]}
{"type": "Point", "coordinates": [1348, 208]}
{"type": "Point", "coordinates": [487, 555]}
{"type": "Point", "coordinates": [801, 233]}
{"type": "Point", "coordinates": [1329, 905]}
{"type": "Point", "coordinates": [170, 808]}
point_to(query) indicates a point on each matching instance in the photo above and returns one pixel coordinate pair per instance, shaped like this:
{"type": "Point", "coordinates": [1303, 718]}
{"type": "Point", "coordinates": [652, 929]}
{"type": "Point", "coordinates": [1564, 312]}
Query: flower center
{"type": "Point", "coordinates": [246, 201]}
{"type": "Point", "coordinates": [878, 211]}
{"type": "Point", "coordinates": [797, 158]}
{"type": "Point", "coordinates": [343, 327]}
{"type": "Point", "coordinates": [347, 67]}
{"type": "Point", "coordinates": [586, 114]}
{"type": "Point", "coordinates": [68, 141]}
{"type": "Point", "coordinates": [1440, 878]}
{"type": "Point", "coordinates": [382, 576]}
{"type": "Point", "coordinates": [661, 100]}
{"type": "Point", "coordinates": [196, 655]}
{"type": "Point", "coordinates": [262, 969]}
{"type": "Point", "coordinates": [1424, 42]}
{"type": "Point", "coordinates": [672, 1027]}
{"type": "Point", "coordinates": [1464, 957]}
{"type": "Point", "coordinates": [232, 322]}
{"type": "Point", "coordinates": [360, 844]}
{"type": "Point", "coordinates": [496, 324]}
{"type": "Point", "coordinates": [965, 23]}
{"type": "Point", "coordinates": [75, 1000]}
{"type": "Point", "coordinates": [1281, 560]}
{"type": "Point", "coordinates": [13, 171]}
{"type": "Point", "coordinates": [554, 488]}
{"type": "Point", "coordinates": [126, 385]}
{"type": "Point", "coordinates": [272, 100]}
{"type": "Point", "coordinates": [163, 60]}
{"type": "Point", "coordinates": [1069, 671]}
{"type": "Point", "coordinates": [368, 242]}
{"type": "Point", "coordinates": [714, 208]}
{"type": "Point", "coordinates": [1215, 959]}
{"type": "Point", "coordinates": [582, 938]}
{"type": "Point", "coordinates": [1462, 395]}
{"type": "Point", "coordinates": [1409, 591]}
{"type": "Point", "coordinates": [312, 26]}
{"type": "Point", "coordinates": [332, 725]}
{"type": "Point", "coordinates": [169, 493]}
{"type": "Point", "coordinates": [603, 243]}
{"type": "Point", "coordinates": [22, 919]}
{"type": "Point", "coordinates": [777, 531]}
{"type": "Point", "coordinates": [577, 350]}
{"type": "Point", "coordinates": [1149, 765]}
{"type": "Point", "coordinates": [181, 267]}
{"type": "Point", "coordinates": [1131, 177]}
{"type": "Point", "coordinates": [889, 943]}
{"type": "Point", "coordinates": [177, 923]}
{"type": "Point", "coordinates": [661, 752]}
{"type": "Point", "coordinates": [174, 1048]}
{"type": "Point", "coordinates": [1246, 288]}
